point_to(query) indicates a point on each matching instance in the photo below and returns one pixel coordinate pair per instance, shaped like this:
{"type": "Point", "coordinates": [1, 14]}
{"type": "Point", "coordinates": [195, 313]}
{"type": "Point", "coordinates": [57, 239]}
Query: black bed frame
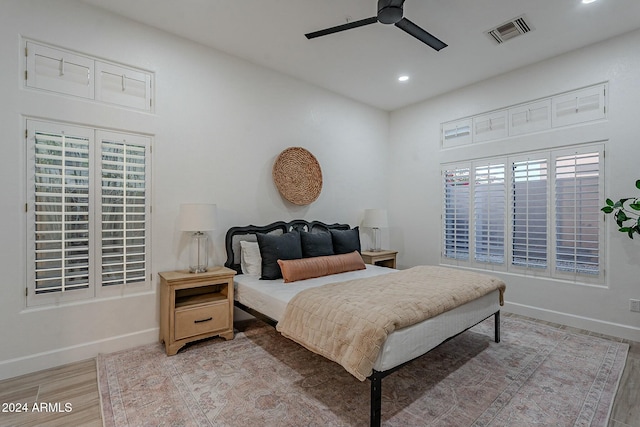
{"type": "Point", "coordinates": [375, 418]}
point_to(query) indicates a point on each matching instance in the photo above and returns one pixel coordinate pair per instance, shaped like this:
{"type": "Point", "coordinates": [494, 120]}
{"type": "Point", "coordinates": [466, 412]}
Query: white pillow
{"type": "Point", "coordinates": [250, 259]}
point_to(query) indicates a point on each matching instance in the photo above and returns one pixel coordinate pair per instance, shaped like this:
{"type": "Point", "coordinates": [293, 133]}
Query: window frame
{"type": "Point", "coordinates": [94, 288]}
{"type": "Point", "coordinates": [550, 270]}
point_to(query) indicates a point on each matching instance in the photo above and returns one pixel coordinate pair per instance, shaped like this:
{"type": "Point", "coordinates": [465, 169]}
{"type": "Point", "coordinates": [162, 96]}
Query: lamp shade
{"type": "Point", "coordinates": [375, 218]}
{"type": "Point", "coordinates": [197, 217]}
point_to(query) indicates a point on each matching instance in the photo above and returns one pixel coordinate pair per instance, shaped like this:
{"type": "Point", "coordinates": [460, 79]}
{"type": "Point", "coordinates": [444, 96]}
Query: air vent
{"type": "Point", "coordinates": [509, 30]}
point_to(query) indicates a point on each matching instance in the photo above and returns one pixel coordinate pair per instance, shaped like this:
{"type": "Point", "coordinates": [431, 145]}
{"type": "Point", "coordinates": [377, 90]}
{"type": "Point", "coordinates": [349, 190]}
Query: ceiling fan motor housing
{"type": "Point", "coordinates": [389, 11]}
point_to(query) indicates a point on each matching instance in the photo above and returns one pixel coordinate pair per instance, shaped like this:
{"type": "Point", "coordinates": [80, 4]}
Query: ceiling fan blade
{"type": "Point", "coordinates": [343, 27]}
{"type": "Point", "coordinates": [412, 29]}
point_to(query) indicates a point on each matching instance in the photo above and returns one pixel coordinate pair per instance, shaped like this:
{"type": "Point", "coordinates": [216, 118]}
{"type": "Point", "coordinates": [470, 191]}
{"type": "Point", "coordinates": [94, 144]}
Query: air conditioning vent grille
{"type": "Point", "coordinates": [510, 29]}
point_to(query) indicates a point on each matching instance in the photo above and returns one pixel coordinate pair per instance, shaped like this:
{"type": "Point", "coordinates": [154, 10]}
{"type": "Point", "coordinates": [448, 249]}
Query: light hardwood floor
{"type": "Point", "coordinates": [77, 384]}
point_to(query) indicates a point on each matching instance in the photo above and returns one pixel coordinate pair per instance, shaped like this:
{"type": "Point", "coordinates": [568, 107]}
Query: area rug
{"type": "Point", "coordinates": [537, 375]}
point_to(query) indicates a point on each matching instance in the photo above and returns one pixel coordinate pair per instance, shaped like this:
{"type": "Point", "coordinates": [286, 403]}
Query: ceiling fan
{"type": "Point", "coordinates": [389, 12]}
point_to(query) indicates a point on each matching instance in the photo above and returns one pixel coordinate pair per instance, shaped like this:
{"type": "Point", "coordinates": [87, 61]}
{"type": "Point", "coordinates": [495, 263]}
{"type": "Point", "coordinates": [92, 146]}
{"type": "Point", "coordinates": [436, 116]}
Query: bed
{"type": "Point", "coordinates": [269, 300]}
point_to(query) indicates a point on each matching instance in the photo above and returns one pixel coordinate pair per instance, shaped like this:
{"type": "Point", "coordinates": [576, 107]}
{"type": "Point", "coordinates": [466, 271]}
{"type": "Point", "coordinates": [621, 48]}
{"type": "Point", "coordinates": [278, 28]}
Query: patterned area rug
{"type": "Point", "coordinates": [537, 376]}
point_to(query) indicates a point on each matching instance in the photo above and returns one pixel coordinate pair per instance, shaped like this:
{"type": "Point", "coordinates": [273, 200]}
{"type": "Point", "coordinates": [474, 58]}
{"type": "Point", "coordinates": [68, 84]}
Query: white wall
{"type": "Point", "coordinates": [415, 202]}
{"type": "Point", "coordinates": [219, 124]}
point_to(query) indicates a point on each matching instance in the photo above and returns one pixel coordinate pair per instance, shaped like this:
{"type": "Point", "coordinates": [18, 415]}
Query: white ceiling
{"type": "Point", "coordinates": [364, 63]}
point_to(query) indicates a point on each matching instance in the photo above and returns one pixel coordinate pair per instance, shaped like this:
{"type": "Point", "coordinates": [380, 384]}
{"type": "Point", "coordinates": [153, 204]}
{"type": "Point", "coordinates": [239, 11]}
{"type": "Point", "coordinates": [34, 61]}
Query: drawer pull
{"type": "Point", "coordinates": [203, 320]}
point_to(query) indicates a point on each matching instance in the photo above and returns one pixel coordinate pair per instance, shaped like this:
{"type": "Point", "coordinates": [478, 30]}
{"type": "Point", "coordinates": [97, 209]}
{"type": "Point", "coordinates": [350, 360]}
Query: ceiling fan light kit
{"type": "Point", "coordinates": [389, 12]}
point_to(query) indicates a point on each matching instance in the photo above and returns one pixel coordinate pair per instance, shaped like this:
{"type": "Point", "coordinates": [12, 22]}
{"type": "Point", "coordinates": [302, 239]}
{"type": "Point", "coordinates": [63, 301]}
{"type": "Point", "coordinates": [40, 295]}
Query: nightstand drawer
{"type": "Point", "coordinates": [201, 320]}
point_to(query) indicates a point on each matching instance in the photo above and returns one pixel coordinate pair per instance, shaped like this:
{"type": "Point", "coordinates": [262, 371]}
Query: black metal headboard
{"type": "Point", "coordinates": [234, 235]}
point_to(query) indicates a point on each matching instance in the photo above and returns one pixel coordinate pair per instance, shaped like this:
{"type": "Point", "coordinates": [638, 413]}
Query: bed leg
{"type": "Point", "coordinates": [376, 399]}
{"type": "Point", "coordinates": [497, 326]}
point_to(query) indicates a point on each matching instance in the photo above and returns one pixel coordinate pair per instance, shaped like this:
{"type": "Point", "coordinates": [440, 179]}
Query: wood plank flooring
{"type": "Point", "coordinates": [77, 384]}
{"type": "Point", "coordinates": [626, 406]}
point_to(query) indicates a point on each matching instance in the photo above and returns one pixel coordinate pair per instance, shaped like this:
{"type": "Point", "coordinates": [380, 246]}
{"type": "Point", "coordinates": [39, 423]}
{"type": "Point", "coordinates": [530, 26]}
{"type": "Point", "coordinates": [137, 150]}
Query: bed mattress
{"type": "Point", "coordinates": [270, 297]}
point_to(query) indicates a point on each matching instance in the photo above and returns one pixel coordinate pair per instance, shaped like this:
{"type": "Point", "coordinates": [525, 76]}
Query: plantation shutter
{"type": "Point", "coordinates": [124, 209]}
{"type": "Point", "coordinates": [456, 213]}
{"type": "Point", "coordinates": [456, 133]}
{"type": "Point", "coordinates": [60, 181]}
{"type": "Point", "coordinates": [530, 118]}
{"type": "Point", "coordinates": [529, 213]}
{"type": "Point", "coordinates": [87, 212]}
{"type": "Point", "coordinates": [490, 126]}
{"type": "Point", "coordinates": [579, 106]}
{"type": "Point", "coordinates": [123, 86]}
{"type": "Point", "coordinates": [59, 71]}
{"type": "Point", "coordinates": [577, 212]}
{"type": "Point", "coordinates": [489, 213]}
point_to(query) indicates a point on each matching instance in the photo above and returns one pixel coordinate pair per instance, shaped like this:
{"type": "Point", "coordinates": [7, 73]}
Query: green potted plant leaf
{"type": "Point", "coordinates": [626, 212]}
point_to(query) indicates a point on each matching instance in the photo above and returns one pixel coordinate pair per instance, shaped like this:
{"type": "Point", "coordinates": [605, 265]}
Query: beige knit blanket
{"type": "Point", "coordinates": [348, 322]}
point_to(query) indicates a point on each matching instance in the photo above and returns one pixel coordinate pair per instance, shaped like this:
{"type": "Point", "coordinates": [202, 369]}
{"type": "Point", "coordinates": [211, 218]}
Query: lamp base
{"type": "Point", "coordinates": [376, 240]}
{"type": "Point", "coordinates": [198, 253]}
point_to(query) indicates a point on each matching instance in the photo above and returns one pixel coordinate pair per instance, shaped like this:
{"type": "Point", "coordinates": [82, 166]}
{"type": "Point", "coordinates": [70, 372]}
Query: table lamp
{"type": "Point", "coordinates": [198, 218]}
{"type": "Point", "coordinates": [375, 219]}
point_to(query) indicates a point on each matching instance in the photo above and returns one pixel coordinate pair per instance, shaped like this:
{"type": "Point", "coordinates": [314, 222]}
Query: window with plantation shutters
{"type": "Point", "coordinates": [529, 212]}
{"type": "Point", "coordinates": [60, 71]}
{"type": "Point", "coordinates": [490, 126]}
{"type": "Point", "coordinates": [456, 133]}
{"type": "Point", "coordinates": [575, 107]}
{"type": "Point", "coordinates": [489, 196]}
{"type": "Point", "coordinates": [456, 212]}
{"type": "Point", "coordinates": [119, 85]}
{"type": "Point", "coordinates": [540, 211]}
{"type": "Point", "coordinates": [577, 212]}
{"type": "Point", "coordinates": [528, 118]}
{"type": "Point", "coordinates": [123, 209]}
{"type": "Point", "coordinates": [60, 182]}
{"type": "Point", "coordinates": [579, 106]}
{"type": "Point", "coordinates": [87, 210]}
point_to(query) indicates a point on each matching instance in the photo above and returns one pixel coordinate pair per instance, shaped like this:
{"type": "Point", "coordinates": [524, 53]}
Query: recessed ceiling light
{"type": "Point", "coordinates": [587, 1]}
{"type": "Point", "coordinates": [403, 78]}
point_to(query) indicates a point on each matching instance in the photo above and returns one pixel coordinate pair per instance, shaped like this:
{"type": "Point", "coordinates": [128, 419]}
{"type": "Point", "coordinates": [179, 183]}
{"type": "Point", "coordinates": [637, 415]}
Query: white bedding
{"type": "Point", "coordinates": [270, 297]}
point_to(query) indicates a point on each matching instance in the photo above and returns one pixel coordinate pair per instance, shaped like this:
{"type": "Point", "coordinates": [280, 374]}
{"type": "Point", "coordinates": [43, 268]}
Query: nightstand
{"type": "Point", "coordinates": [194, 306]}
{"type": "Point", "coordinates": [383, 258]}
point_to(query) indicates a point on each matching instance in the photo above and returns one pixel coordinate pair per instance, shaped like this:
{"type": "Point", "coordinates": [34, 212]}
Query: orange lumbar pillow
{"type": "Point", "coordinates": [307, 268]}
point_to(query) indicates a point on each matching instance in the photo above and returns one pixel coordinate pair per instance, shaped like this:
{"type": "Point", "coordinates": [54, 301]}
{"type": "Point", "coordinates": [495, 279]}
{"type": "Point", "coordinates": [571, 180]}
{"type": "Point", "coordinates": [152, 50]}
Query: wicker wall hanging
{"type": "Point", "coordinates": [297, 176]}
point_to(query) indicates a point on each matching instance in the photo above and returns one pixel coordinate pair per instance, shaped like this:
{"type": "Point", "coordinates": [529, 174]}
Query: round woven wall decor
{"type": "Point", "coordinates": [297, 176]}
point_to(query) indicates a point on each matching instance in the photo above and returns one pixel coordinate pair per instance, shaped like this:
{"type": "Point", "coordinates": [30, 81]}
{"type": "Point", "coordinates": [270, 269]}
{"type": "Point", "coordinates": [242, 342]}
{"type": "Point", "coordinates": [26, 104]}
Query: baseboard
{"type": "Point", "coordinates": [594, 325]}
{"type": "Point", "coordinates": [62, 356]}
